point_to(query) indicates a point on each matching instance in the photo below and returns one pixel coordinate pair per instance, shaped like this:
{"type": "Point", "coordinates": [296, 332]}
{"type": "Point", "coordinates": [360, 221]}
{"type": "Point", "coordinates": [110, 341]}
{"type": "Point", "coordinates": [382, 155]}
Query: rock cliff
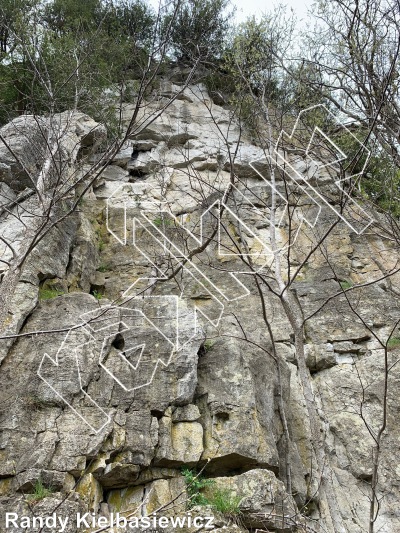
{"type": "Point", "coordinates": [127, 380]}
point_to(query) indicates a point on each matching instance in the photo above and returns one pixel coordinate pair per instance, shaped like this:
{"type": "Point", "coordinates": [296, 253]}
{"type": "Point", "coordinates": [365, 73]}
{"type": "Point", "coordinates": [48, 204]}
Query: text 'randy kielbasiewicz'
{"type": "Point", "coordinates": [60, 523]}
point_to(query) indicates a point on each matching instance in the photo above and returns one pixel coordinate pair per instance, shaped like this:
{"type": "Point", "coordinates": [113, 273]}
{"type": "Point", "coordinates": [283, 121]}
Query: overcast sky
{"type": "Point", "coordinates": [245, 8]}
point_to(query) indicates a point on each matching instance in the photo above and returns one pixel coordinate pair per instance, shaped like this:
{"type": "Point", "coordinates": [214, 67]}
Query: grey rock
{"type": "Point", "coordinates": [261, 498]}
{"type": "Point", "coordinates": [221, 403]}
{"type": "Point", "coordinates": [187, 413]}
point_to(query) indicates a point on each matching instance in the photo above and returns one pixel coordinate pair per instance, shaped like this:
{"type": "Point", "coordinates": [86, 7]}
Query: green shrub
{"type": "Point", "coordinates": [222, 500]}
{"type": "Point", "coordinates": [198, 28]}
{"type": "Point", "coordinates": [39, 491]}
{"type": "Point", "coordinates": [158, 222]}
{"type": "Point", "coordinates": [380, 179]}
{"type": "Point", "coordinates": [346, 284]}
{"type": "Point", "coordinates": [195, 483]}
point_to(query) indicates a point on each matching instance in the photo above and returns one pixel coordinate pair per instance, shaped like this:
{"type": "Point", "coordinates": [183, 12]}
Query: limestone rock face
{"type": "Point", "coordinates": [26, 141]}
{"type": "Point", "coordinates": [117, 386]}
{"type": "Point", "coordinates": [179, 442]}
{"type": "Point", "coordinates": [261, 497]}
{"type": "Point", "coordinates": [23, 135]}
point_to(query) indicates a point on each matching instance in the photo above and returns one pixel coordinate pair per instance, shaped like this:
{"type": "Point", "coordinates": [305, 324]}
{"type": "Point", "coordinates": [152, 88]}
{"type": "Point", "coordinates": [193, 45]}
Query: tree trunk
{"type": "Point", "coordinates": [294, 313]}
{"type": "Point", "coordinates": [7, 290]}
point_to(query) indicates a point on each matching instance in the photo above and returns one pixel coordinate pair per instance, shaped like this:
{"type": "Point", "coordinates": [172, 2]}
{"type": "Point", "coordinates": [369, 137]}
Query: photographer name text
{"type": "Point", "coordinates": [60, 524]}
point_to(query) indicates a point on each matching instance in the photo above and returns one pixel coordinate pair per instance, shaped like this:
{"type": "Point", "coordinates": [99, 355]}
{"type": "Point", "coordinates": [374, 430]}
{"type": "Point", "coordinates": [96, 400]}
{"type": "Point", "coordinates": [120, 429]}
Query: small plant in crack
{"type": "Point", "coordinates": [48, 294]}
{"type": "Point", "coordinates": [40, 491]}
{"type": "Point", "coordinates": [163, 221]}
{"type": "Point", "coordinates": [225, 502]}
{"type": "Point", "coordinates": [104, 268]}
{"type": "Point", "coordinates": [97, 294]}
{"type": "Point", "coordinates": [393, 342]}
{"type": "Point", "coordinates": [101, 245]}
{"type": "Point", "coordinates": [345, 284]}
{"type": "Point", "coordinates": [208, 344]}
{"type": "Point", "coordinates": [195, 483]}
{"type": "Point", "coordinates": [202, 492]}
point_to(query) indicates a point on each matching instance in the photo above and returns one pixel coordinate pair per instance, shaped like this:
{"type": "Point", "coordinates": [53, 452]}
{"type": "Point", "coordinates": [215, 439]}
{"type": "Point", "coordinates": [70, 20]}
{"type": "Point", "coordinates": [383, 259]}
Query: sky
{"type": "Point", "coordinates": [246, 8]}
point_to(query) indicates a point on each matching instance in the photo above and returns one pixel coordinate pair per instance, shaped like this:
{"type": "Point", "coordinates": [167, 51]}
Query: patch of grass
{"type": "Point", "coordinates": [158, 222]}
{"type": "Point", "coordinates": [346, 284]}
{"type": "Point", "coordinates": [98, 295]}
{"type": "Point", "coordinates": [223, 501]}
{"type": "Point", "coordinates": [48, 294]}
{"type": "Point", "coordinates": [195, 483]}
{"type": "Point", "coordinates": [162, 222]}
{"type": "Point", "coordinates": [393, 343]}
{"type": "Point", "coordinates": [39, 492]}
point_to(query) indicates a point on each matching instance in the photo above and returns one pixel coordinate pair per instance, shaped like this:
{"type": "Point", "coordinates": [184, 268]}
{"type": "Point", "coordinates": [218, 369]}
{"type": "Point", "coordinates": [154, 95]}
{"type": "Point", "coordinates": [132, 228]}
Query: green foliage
{"type": "Point", "coordinates": [40, 492]}
{"type": "Point", "coordinates": [162, 221]}
{"type": "Point", "coordinates": [226, 503]}
{"type": "Point", "coordinates": [251, 53]}
{"type": "Point", "coordinates": [8, 92]}
{"type": "Point", "coordinates": [98, 294]}
{"type": "Point", "coordinates": [158, 222]}
{"type": "Point", "coordinates": [346, 284]}
{"type": "Point", "coordinates": [48, 294]}
{"type": "Point", "coordinates": [63, 54]}
{"type": "Point", "coordinates": [380, 180]}
{"type": "Point", "coordinates": [393, 342]}
{"type": "Point", "coordinates": [198, 28]}
{"type": "Point", "coordinates": [222, 500]}
{"type": "Point", "coordinates": [195, 484]}
{"type": "Point", "coordinates": [104, 268]}
{"type": "Point", "coordinates": [132, 19]}
{"type": "Point", "coordinates": [249, 70]}
{"type": "Point", "coordinates": [102, 235]}
{"type": "Point", "coordinates": [301, 82]}
{"type": "Point", "coordinates": [10, 15]}
{"type": "Point", "coordinates": [220, 80]}
{"type": "Point", "coordinates": [350, 144]}
{"type": "Point", "coordinates": [381, 184]}
{"type": "Point", "coordinates": [63, 16]}
{"type": "Point", "coordinates": [208, 344]}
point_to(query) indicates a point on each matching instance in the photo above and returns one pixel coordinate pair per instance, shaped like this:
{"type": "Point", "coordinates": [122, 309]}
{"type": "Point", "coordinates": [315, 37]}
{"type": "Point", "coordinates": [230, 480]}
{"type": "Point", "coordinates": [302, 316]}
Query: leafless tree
{"type": "Point", "coordinates": [57, 178]}
{"type": "Point", "coordinates": [353, 55]}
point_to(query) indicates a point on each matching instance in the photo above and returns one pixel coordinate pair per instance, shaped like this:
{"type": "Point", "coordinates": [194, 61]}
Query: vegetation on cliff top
{"type": "Point", "coordinates": [62, 54]}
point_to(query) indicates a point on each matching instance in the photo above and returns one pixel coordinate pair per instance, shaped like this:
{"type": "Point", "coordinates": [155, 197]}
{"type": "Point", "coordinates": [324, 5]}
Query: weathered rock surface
{"type": "Point", "coordinates": [109, 405]}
